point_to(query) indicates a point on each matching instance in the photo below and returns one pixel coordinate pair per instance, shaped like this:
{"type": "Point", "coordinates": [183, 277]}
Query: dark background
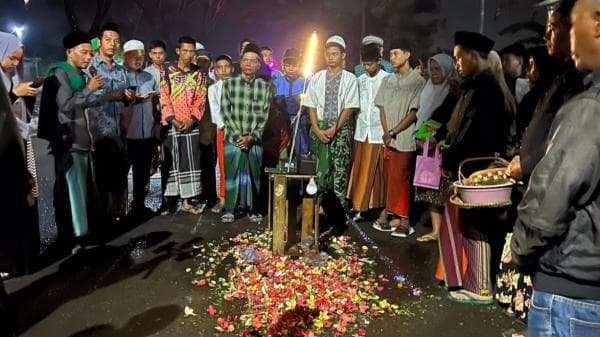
{"type": "Point", "coordinates": [280, 24]}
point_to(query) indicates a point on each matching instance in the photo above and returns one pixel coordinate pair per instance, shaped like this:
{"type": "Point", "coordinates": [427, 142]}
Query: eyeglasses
{"type": "Point", "coordinates": [246, 60]}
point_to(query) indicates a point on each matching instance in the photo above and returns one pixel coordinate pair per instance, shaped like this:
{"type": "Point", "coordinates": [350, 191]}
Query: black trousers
{"type": "Point", "coordinates": [62, 206]}
{"type": "Point", "coordinates": [140, 153]}
{"type": "Point", "coordinates": [208, 177]}
{"type": "Point", "coordinates": [111, 166]}
{"type": "Point", "coordinates": [6, 316]}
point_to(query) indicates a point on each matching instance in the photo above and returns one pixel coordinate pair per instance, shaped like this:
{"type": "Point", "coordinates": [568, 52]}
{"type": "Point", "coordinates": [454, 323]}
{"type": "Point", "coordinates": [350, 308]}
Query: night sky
{"type": "Point", "coordinates": [279, 24]}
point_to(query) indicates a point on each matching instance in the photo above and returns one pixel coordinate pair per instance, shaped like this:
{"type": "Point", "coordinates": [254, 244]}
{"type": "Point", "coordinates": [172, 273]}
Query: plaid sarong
{"type": "Point", "coordinates": [181, 159]}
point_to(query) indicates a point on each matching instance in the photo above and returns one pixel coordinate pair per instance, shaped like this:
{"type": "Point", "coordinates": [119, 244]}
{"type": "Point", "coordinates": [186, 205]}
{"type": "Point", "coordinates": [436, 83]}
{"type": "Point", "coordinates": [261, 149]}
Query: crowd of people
{"type": "Point", "coordinates": [211, 126]}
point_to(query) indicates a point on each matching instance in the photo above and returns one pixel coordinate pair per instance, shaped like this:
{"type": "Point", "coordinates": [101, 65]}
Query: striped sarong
{"type": "Point", "coordinates": [181, 159]}
{"type": "Point", "coordinates": [471, 235]}
{"type": "Point", "coordinates": [242, 175]}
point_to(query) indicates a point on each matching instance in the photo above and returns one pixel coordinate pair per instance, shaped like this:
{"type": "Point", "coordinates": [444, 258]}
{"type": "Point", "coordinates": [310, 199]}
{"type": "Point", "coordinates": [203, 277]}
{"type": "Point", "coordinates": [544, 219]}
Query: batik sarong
{"type": "Point", "coordinates": [333, 160]}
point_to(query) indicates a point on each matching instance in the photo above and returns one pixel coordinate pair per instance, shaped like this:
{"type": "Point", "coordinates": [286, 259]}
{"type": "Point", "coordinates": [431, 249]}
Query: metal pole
{"type": "Point", "coordinates": [482, 17]}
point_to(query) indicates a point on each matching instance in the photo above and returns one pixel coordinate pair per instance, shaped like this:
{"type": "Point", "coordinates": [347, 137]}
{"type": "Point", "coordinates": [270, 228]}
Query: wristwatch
{"type": "Point", "coordinates": [392, 134]}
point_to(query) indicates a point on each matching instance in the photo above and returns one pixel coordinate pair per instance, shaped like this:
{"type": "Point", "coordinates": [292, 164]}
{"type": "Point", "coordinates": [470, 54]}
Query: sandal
{"type": "Point", "coordinates": [218, 208]}
{"type": "Point", "coordinates": [428, 237]}
{"type": "Point", "coordinates": [227, 217]}
{"type": "Point", "coordinates": [467, 297]}
{"type": "Point", "coordinates": [192, 210]}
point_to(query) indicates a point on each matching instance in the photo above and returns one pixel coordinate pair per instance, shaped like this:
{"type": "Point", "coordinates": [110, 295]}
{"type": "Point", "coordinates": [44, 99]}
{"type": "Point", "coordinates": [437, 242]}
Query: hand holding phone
{"type": "Point", "coordinates": [37, 82]}
{"type": "Point", "coordinates": [95, 83]}
{"type": "Point", "coordinates": [93, 71]}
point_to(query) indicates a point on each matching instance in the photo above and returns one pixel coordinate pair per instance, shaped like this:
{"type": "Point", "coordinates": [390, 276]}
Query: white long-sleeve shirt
{"type": "Point", "coordinates": [368, 123]}
{"type": "Point", "coordinates": [214, 100]}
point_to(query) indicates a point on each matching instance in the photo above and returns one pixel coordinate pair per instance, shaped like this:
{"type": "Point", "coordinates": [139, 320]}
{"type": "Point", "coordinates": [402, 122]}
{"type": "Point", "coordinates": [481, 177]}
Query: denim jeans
{"type": "Point", "coordinates": [557, 316]}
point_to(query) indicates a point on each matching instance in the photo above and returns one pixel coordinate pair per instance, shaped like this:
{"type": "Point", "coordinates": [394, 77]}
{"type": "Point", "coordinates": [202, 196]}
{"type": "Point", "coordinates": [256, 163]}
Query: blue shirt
{"type": "Point", "coordinates": [106, 119]}
{"type": "Point", "coordinates": [142, 119]}
{"type": "Point", "coordinates": [290, 91]}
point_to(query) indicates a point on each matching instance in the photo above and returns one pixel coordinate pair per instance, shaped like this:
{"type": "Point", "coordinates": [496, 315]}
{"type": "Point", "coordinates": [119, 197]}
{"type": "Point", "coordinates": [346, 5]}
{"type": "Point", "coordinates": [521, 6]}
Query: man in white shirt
{"type": "Point", "coordinates": [223, 71]}
{"type": "Point", "coordinates": [367, 180]}
{"type": "Point", "coordinates": [331, 98]}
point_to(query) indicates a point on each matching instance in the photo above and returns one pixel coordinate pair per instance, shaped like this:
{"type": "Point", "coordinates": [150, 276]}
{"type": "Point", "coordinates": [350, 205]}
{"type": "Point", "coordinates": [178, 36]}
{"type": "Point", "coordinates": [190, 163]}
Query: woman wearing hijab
{"type": "Point", "coordinates": [27, 240]}
{"type": "Point", "coordinates": [437, 102]}
{"type": "Point", "coordinates": [510, 103]}
{"type": "Point", "coordinates": [21, 95]}
{"type": "Point", "coordinates": [16, 189]}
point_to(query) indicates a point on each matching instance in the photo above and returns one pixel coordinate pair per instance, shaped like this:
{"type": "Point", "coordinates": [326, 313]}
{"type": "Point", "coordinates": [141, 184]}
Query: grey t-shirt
{"type": "Point", "coordinates": [398, 95]}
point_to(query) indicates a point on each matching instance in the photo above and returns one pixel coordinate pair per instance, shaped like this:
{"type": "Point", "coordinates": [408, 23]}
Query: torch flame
{"type": "Point", "coordinates": [310, 57]}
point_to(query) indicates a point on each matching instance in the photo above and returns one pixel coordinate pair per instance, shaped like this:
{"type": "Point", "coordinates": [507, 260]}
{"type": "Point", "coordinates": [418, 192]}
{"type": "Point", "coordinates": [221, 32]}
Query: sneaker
{"type": "Point", "coordinates": [382, 226]}
{"type": "Point", "coordinates": [403, 232]}
{"type": "Point", "coordinates": [255, 218]}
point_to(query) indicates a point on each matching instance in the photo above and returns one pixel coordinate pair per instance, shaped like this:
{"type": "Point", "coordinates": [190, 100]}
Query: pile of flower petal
{"type": "Point", "coordinates": [281, 296]}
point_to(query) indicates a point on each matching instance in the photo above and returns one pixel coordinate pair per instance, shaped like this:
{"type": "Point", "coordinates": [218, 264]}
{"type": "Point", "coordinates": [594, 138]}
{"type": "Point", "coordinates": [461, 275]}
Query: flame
{"type": "Point", "coordinates": [310, 57]}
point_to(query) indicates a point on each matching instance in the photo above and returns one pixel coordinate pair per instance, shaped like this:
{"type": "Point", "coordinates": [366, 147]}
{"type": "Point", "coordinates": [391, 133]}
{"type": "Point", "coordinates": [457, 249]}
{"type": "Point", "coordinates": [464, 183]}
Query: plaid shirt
{"type": "Point", "coordinates": [245, 107]}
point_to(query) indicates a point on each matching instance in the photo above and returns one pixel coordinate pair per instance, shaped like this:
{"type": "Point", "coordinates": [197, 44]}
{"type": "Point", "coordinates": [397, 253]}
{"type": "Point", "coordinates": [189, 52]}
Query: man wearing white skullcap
{"type": "Point", "coordinates": [359, 69]}
{"type": "Point", "coordinates": [141, 120]}
{"type": "Point", "coordinates": [332, 97]}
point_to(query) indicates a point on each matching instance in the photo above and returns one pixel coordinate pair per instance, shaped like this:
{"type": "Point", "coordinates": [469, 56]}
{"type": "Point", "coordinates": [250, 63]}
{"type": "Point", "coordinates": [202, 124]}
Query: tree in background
{"type": "Point", "coordinates": [102, 9]}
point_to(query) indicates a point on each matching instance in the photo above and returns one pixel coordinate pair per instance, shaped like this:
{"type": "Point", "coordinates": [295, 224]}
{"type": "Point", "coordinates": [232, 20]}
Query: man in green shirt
{"type": "Point", "coordinates": [245, 107]}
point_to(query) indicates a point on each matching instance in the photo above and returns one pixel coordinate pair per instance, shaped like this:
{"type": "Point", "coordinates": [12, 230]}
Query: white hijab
{"type": "Point", "coordinates": [433, 95]}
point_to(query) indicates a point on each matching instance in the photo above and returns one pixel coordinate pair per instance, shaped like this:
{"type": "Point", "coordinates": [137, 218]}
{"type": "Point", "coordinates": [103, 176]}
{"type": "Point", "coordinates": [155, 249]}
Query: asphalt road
{"type": "Point", "coordinates": [136, 284]}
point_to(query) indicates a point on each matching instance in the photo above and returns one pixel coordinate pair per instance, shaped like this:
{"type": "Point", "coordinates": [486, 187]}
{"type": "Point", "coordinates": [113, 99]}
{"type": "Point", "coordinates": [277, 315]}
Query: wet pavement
{"type": "Point", "coordinates": [137, 285]}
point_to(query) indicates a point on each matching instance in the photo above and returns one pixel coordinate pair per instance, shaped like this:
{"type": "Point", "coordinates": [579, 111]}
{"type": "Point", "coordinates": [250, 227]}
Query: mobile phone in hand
{"type": "Point", "coordinates": [37, 82]}
{"type": "Point", "coordinates": [93, 71]}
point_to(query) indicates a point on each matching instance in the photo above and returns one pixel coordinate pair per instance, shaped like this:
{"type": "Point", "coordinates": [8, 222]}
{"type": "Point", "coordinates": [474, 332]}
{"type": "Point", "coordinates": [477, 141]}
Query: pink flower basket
{"type": "Point", "coordinates": [487, 195]}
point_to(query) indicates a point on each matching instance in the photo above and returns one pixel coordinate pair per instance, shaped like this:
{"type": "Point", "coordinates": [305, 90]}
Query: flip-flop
{"type": "Point", "coordinates": [469, 298]}
{"type": "Point", "coordinates": [218, 208]}
{"type": "Point", "coordinates": [427, 238]}
{"type": "Point", "coordinates": [192, 210]}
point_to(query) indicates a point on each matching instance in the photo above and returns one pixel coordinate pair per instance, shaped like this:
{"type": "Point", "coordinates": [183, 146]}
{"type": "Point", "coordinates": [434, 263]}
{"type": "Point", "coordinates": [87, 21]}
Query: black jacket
{"type": "Point", "coordinates": [485, 126]}
{"type": "Point", "coordinates": [567, 84]}
{"type": "Point", "coordinates": [557, 233]}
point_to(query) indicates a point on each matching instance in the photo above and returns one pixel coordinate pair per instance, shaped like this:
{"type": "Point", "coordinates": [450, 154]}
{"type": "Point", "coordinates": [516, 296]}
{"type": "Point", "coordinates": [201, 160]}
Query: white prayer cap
{"type": "Point", "coordinates": [133, 45]}
{"type": "Point", "coordinates": [369, 39]}
{"type": "Point", "coordinates": [199, 46]}
{"type": "Point", "coordinates": [337, 40]}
